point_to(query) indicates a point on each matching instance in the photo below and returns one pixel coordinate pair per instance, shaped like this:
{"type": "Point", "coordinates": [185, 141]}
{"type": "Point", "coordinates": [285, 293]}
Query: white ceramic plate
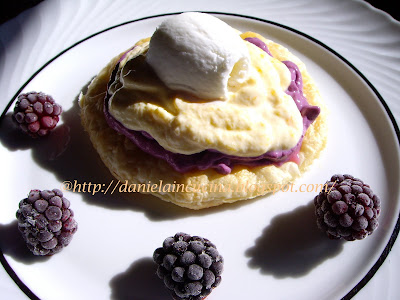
{"type": "Point", "coordinates": [271, 245]}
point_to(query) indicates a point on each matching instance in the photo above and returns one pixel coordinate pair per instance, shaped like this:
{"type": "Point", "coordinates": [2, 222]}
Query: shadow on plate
{"type": "Point", "coordinates": [68, 153]}
{"type": "Point", "coordinates": [12, 244]}
{"type": "Point", "coordinates": [292, 245]}
{"type": "Point", "coordinates": [139, 282]}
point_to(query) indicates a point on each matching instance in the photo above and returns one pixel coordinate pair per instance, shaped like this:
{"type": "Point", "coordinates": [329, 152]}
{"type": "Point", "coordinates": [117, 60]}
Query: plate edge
{"type": "Point", "coordinates": [396, 229]}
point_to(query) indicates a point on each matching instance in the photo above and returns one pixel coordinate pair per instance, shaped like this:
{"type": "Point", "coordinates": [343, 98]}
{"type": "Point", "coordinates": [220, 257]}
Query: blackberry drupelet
{"type": "Point", "coordinates": [46, 221]}
{"type": "Point", "coordinates": [190, 266]}
{"type": "Point", "coordinates": [36, 113]}
{"type": "Point", "coordinates": [347, 208]}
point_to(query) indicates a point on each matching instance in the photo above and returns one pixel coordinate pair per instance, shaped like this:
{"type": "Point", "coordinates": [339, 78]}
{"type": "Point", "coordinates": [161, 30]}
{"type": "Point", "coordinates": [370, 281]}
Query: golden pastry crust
{"type": "Point", "coordinates": [199, 189]}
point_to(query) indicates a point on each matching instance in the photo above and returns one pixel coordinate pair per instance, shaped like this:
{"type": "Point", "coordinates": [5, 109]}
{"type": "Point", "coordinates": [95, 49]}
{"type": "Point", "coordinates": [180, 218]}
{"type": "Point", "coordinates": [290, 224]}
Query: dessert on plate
{"type": "Point", "coordinates": [204, 114]}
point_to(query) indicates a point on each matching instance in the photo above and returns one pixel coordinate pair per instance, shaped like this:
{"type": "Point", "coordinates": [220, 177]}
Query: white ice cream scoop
{"type": "Point", "coordinates": [196, 53]}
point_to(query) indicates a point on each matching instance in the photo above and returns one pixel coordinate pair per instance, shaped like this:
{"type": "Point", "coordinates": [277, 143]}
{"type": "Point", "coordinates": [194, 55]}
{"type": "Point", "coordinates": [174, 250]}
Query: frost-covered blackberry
{"type": "Point", "coordinates": [190, 266]}
{"type": "Point", "coordinates": [347, 208]}
{"type": "Point", "coordinates": [36, 113]}
{"type": "Point", "coordinates": [46, 221]}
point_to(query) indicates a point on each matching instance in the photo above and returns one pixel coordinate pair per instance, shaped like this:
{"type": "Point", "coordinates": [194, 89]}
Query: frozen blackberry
{"type": "Point", "coordinates": [190, 266]}
{"type": "Point", "coordinates": [46, 221]}
{"type": "Point", "coordinates": [347, 208]}
{"type": "Point", "coordinates": [36, 113]}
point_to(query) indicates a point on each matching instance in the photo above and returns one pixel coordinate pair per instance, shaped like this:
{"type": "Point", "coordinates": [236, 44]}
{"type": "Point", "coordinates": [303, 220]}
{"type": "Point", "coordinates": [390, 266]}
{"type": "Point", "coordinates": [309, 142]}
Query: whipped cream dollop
{"type": "Point", "coordinates": [198, 54]}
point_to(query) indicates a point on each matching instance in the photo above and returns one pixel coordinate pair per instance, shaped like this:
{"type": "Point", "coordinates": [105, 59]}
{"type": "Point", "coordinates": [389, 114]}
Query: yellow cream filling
{"type": "Point", "coordinates": [256, 117]}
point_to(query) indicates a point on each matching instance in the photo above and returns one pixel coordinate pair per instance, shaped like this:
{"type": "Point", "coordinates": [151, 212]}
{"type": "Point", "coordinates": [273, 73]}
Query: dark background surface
{"type": "Point", "coordinates": [10, 9]}
{"type": "Point", "coordinates": [390, 6]}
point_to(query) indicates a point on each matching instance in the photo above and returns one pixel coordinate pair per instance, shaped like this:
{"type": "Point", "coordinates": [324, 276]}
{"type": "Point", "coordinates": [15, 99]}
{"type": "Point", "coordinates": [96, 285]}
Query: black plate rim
{"type": "Point", "coordinates": [396, 229]}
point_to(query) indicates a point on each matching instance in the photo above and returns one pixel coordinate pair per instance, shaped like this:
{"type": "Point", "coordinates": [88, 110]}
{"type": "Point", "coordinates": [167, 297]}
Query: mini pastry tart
{"type": "Point", "coordinates": [203, 180]}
